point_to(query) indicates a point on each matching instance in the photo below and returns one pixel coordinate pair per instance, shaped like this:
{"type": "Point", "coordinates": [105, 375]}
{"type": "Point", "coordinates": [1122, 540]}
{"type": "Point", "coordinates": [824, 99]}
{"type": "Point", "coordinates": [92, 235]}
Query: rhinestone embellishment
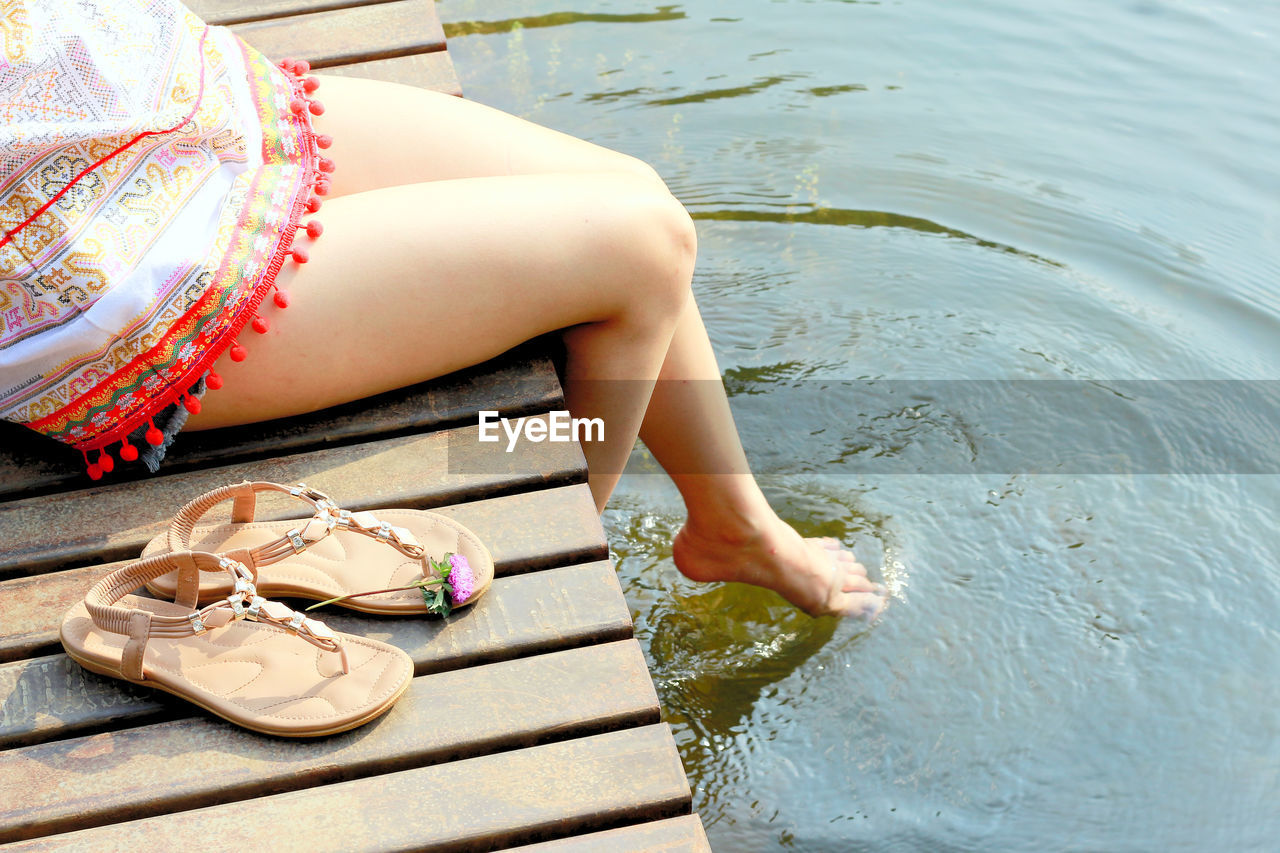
{"type": "Point", "coordinates": [320, 630]}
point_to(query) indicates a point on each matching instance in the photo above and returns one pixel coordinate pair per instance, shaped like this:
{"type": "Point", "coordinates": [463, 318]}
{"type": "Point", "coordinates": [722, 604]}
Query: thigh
{"type": "Point", "coordinates": [411, 282]}
{"type": "Point", "coordinates": [387, 134]}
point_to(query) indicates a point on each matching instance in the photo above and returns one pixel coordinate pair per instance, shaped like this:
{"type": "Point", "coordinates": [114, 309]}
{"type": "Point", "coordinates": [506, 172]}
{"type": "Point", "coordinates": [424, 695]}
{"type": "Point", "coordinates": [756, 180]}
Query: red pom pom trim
{"type": "Point", "coordinates": [300, 104]}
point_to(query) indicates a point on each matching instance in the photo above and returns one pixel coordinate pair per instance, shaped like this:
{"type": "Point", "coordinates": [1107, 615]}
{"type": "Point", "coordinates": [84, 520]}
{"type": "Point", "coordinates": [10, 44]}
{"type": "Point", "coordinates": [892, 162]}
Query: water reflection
{"type": "Point", "coordinates": [759, 85]}
{"type": "Point", "coordinates": [812, 215]}
{"type": "Point", "coordinates": [458, 29]}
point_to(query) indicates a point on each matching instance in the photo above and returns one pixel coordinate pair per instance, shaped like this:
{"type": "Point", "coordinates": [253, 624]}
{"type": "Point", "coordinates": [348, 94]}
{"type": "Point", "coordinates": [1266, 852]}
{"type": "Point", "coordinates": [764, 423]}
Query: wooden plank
{"type": "Point", "coordinates": [52, 697]}
{"type": "Point", "coordinates": [524, 795]}
{"type": "Point", "coordinates": [433, 71]}
{"type": "Point", "coordinates": [236, 11]}
{"type": "Point", "coordinates": [196, 762]}
{"type": "Point", "coordinates": [549, 528]}
{"type": "Point", "coordinates": [358, 34]}
{"type": "Point", "coordinates": [674, 835]}
{"type": "Point", "coordinates": [33, 608]}
{"type": "Point", "coordinates": [113, 522]}
{"type": "Point", "coordinates": [521, 382]}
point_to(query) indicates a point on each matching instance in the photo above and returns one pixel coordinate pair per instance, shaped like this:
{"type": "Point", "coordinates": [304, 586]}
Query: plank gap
{"type": "Point", "coordinates": [227, 12]}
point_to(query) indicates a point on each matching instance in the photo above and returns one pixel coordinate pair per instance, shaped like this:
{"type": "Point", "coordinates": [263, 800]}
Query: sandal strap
{"type": "Point", "coordinates": [327, 518]}
{"type": "Point", "coordinates": [243, 603]}
{"type": "Point", "coordinates": [244, 495]}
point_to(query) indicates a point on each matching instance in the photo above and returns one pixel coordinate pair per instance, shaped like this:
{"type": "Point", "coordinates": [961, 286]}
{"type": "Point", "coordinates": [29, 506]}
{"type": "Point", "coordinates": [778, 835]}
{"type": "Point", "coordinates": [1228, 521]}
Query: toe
{"type": "Point", "coordinates": [843, 557]}
{"type": "Point", "coordinates": [852, 593]}
{"type": "Point", "coordinates": [862, 605]}
{"type": "Point", "coordinates": [854, 582]}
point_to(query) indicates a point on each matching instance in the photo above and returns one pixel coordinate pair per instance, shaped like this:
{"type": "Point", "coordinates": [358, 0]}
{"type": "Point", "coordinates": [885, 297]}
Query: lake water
{"type": "Point", "coordinates": [1082, 651]}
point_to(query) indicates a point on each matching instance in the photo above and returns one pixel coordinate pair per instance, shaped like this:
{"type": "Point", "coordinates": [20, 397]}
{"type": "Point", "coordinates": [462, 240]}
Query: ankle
{"type": "Point", "coordinates": [730, 523]}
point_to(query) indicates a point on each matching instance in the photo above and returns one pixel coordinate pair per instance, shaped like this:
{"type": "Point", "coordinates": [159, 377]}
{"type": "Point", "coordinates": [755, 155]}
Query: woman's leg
{"type": "Point", "coordinates": [732, 533]}
{"type": "Point", "coordinates": [412, 282]}
{"type": "Point", "coordinates": [386, 135]}
{"type": "Point", "coordinates": [505, 271]}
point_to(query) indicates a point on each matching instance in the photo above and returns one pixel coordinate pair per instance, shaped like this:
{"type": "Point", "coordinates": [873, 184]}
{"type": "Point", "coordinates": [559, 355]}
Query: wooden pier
{"type": "Point", "coordinates": [532, 718]}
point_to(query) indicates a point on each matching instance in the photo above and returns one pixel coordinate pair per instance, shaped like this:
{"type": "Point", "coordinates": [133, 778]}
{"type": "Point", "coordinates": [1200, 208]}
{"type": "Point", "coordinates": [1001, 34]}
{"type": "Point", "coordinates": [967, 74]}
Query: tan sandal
{"type": "Point", "coordinates": [333, 554]}
{"type": "Point", "coordinates": [252, 661]}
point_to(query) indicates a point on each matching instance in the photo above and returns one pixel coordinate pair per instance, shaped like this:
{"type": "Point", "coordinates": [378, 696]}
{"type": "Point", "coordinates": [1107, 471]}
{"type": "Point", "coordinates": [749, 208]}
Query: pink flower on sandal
{"type": "Point", "coordinates": [447, 584]}
{"type": "Point", "coordinates": [461, 579]}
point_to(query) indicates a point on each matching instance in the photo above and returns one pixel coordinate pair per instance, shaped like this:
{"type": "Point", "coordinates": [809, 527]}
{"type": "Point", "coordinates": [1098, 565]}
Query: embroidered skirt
{"type": "Point", "coordinates": [153, 173]}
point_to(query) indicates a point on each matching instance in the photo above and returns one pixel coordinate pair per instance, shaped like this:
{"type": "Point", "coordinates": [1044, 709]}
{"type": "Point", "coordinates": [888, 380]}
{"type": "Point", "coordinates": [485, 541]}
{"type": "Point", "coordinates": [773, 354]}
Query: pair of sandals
{"type": "Point", "coordinates": [213, 637]}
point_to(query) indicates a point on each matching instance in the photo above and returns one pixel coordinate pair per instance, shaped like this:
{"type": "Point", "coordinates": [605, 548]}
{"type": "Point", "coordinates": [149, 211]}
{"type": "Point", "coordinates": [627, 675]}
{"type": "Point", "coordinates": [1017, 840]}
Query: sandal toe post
{"type": "Point", "coordinates": [334, 553]}
{"type": "Point", "coordinates": [249, 660]}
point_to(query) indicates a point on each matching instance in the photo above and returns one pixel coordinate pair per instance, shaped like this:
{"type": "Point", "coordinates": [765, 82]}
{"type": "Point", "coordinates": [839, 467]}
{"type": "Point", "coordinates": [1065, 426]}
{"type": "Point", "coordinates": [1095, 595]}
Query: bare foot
{"type": "Point", "coordinates": [817, 575]}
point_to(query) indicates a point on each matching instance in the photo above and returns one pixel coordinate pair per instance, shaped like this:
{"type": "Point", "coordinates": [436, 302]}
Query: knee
{"type": "Point", "coordinates": [666, 245]}
{"type": "Point", "coordinates": [640, 169]}
{"type": "Point", "coordinates": [638, 248]}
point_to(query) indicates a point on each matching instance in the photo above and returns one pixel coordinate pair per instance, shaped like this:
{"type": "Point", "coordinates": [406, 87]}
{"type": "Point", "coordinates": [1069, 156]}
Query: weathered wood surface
{"type": "Point", "coordinates": [674, 835]}
{"type": "Point", "coordinates": [202, 761]}
{"type": "Point", "coordinates": [524, 795]}
{"type": "Point", "coordinates": [235, 11]}
{"type": "Point", "coordinates": [357, 34]}
{"type": "Point", "coordinates": [426, 70]}
{"type": "Point", "coordinates": [113, 522]}
{"type": "Point", "coordinates": [52, 697]}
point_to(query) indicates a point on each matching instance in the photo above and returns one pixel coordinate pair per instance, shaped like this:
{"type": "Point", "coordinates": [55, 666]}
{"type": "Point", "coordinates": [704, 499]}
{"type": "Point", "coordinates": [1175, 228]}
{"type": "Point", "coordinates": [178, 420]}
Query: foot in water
{"type": "Point", "coordinates": [819, 576]}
